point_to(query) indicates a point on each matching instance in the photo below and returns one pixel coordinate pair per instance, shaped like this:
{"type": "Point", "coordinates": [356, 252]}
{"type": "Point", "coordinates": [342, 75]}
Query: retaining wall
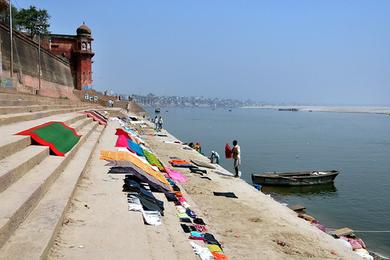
{"type": "Point", "coordinates": [56, 76]}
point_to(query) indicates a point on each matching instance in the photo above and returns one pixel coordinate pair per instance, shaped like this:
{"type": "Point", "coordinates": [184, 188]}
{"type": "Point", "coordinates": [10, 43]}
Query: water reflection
{"type": "Point", "coordinates": [322, 190]}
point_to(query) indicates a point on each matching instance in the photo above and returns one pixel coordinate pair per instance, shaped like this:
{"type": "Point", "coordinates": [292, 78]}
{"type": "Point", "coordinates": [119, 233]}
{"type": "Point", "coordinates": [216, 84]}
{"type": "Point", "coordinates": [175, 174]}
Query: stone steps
{"type": "Point", "coordinates": [4, 110]}
{"type": "Point", "coordinates": [18, 117]}
{"type": "Point", "coordinates": [14, 143]}
{"type": "Point", "coordinates": [36, 187]}
{"type": "Point", "coordinates": [17, 164]}
{"type": "Point", "coordinates": [36, 234]}
{"type": "Point", "coordinates": [35, 98]}
{"type": "Point", "coordinates": [12, 101]}
{"type": "Point", "coordinates": [20, 103]}
{"type": "Point", "coordinates": [21, 197]}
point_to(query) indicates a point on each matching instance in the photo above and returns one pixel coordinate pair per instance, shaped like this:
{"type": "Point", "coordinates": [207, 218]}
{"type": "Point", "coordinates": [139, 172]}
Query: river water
{"type": "Point", "coordinates": [356, 144]}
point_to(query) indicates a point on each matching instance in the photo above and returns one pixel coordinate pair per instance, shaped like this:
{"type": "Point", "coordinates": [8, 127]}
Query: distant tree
{"type": "Point", "coordinates": [33, 21]}
{"type": "Point", "coordinates": [4, 15]}
{"type": "Point", "coordinates": [3, 5]}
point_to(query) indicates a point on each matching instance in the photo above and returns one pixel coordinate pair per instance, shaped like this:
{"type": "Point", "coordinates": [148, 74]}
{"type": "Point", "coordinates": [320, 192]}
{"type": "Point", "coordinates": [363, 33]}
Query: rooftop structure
{"type": "Point", "coordinates": [78, 50]}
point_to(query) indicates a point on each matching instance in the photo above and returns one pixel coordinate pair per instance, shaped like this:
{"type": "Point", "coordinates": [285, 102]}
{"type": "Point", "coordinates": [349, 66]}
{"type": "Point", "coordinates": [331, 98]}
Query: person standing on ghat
{"type": "Point", "coordinates": [236, 152]}
{"type": "Point", "coordinates": [160, 123]}
{"type": "Point", "coordinates": [155, 121]}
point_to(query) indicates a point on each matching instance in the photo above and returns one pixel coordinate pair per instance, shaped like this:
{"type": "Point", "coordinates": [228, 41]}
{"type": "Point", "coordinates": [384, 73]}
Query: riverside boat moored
{"type": "Point", "coordinates": [304, 178]}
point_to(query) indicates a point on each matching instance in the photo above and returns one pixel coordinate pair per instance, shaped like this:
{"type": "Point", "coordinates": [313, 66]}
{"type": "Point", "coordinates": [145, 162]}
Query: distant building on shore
{"type": "Point", "coordinates": [77, 49]}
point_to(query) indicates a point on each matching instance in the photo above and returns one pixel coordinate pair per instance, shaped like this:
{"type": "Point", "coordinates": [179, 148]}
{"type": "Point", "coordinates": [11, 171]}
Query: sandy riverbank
{"type": "Point", "coordinates": [250, 226]}
{"type": "Point", "coordinates": [99, 226]}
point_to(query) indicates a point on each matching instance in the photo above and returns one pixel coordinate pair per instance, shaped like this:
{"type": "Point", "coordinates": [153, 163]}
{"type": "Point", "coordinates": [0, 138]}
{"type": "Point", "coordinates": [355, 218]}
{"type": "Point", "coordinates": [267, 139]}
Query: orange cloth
{"type": "Point", "coordinates": [125, 156]}
{"type": "Point", "coordinates": [219, 256]}
{"type": "Point", "coordinates": [179, 162]}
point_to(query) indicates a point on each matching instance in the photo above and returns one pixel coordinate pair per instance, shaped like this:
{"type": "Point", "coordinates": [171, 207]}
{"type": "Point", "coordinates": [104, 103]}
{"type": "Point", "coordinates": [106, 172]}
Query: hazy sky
{"type": "Point", "coordinates": [314, 51]}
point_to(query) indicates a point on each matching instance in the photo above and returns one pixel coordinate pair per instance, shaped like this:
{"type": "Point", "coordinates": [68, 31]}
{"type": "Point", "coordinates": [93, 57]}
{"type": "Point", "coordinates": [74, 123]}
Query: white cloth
{"type": "Point", "coordinates": [152, 217]}
{"type": "Point", "coordinates": [203, 252]}
{"type": "Point", "coordinates": [134, 203]}
{"type": "Point", "coordinates": [181, 209]}
{"type": "Point", "coordinates": [238, 149]}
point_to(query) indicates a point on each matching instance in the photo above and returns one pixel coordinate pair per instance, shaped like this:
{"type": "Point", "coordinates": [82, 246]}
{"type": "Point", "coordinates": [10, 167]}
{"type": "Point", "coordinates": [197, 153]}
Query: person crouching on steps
{"type": "Point", "coordinates": [236, 152]}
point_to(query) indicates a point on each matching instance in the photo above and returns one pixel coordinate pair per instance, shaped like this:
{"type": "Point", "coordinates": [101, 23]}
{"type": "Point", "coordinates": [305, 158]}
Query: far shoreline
{"type": "Point", "coordinates": [334, 109]}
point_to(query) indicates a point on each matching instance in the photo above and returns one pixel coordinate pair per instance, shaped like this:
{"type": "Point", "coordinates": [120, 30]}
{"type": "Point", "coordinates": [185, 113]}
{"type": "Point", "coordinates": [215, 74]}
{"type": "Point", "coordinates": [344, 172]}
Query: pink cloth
{"type": "Point", "coordinates": [200, 228]}
{"type": "Point", "coordinates": [176, 175]}
{"type": "Point", "coordinates": [356, 243]}
{"type": "Point", "coordinates": [121, 141]}
{"type": "Point", "coordinates": [181, 200]}
{"type": "Point", "coordinates": [317, 224]}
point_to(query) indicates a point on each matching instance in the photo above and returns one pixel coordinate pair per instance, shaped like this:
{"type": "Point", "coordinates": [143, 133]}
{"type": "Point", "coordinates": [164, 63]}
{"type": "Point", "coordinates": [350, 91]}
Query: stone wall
{"type": "Point", "coordinates": [98, 97]}
{"type": "Point", "coordinates": [56, 77]}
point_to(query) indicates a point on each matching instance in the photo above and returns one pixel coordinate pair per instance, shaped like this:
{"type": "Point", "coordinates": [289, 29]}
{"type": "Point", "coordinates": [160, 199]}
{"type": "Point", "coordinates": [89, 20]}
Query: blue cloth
{"type": "Point", "coordinates": [130, 131]}
{"type": "Point", "coordinates": [196, 234]}
{"type": "Point", "coordinates": [135, 148]}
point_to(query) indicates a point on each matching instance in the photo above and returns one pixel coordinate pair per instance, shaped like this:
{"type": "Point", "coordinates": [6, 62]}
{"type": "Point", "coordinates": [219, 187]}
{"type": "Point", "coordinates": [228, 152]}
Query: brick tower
{"type": "Point", "coordinates": [83, 58]}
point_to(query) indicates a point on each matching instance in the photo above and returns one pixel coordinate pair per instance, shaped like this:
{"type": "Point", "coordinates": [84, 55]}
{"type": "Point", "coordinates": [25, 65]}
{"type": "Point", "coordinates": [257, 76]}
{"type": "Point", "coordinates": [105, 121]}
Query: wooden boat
{"type": "Point", "coordinates": [295, 178]}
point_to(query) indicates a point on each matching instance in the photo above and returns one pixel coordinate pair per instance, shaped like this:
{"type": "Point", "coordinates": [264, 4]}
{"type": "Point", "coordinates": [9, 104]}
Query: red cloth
{"type": "Point", "coordinates": [122, 141]}
{"type": "Point", "coordinates": [228, 151]}
{"type": "Point", "coordinates": [96, 117]}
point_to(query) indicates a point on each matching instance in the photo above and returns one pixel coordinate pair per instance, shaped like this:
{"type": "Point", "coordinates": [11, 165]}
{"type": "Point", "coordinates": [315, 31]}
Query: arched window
{"type": "Point", "coordinates": [84, 46]}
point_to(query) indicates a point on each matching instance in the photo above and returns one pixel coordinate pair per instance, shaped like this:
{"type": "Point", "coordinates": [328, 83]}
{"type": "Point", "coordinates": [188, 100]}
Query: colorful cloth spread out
{"type": "Point", "coordinates": [145, 166]}
{"type": "Point", "coordinates": [125, 156]}
{"type": "Point", "coordinates": [214, 248]}
{"type": "Point", "coordinates": [176, 175]}
{"type": "Point", "coordinates": [219, 256]}
{"type": "Point", "coordinates": [96, 117]}
{"type": "Point", "coordinates": [133, 137]}
{"type": "Point", "coordinates": [121, 141]}
{"type": "Point", "coordinates": [138, 139]}
{"type": "Point", "coordinates": [142, 175]}
{"type": "Point", "coordinates": [180, 163]}
{"type": "Point", "coordinates": [153, 160]}
{"type": "Point", "coordinates": [134, 147]}
{"type": "Point", "coordinates": [58, 136]}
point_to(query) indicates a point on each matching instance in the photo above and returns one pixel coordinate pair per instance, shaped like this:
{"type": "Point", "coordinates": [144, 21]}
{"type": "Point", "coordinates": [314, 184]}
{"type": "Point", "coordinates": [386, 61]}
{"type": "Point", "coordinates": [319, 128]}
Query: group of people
{"type": "Point", "coordinates": [158, 123]}
{"type": "Point", "coordinates": [197, 147]}
{"type": "Point", "coordinates": [234, 153]}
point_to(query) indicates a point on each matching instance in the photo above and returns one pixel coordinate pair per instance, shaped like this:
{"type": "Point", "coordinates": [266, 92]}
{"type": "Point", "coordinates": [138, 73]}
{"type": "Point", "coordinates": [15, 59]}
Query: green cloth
{"type": "Point", "coordinates": [153, 160]}
{"type": "Point", "coordinates": [58, 136]}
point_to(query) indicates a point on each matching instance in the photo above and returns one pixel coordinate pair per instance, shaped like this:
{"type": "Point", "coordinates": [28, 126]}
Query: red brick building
{"type": "Point", "coordinates": [78, 50]}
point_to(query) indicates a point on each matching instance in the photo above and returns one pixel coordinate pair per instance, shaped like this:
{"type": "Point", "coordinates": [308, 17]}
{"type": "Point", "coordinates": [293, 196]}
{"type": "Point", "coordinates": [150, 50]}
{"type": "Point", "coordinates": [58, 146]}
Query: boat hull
{"type": "Point", "coordinates": [291, 179]}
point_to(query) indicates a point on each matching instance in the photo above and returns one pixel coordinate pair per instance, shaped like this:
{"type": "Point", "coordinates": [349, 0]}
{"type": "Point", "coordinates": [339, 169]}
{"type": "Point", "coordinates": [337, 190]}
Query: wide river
{"type": "Point", "coordinates": [358, 145]}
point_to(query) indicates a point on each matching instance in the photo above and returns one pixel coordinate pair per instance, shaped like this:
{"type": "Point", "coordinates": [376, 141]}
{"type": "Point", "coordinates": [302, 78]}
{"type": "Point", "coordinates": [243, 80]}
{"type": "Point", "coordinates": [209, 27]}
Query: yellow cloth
{"type": "Point", "coordinates": [214, 248]}
{"type": "Point", "coordinates": [126, 156]}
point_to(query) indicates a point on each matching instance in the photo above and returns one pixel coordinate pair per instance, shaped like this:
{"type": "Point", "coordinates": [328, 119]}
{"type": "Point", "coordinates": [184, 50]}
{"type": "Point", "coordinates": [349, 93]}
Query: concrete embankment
{"type": "Point", "coordinates": [253, 226]}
